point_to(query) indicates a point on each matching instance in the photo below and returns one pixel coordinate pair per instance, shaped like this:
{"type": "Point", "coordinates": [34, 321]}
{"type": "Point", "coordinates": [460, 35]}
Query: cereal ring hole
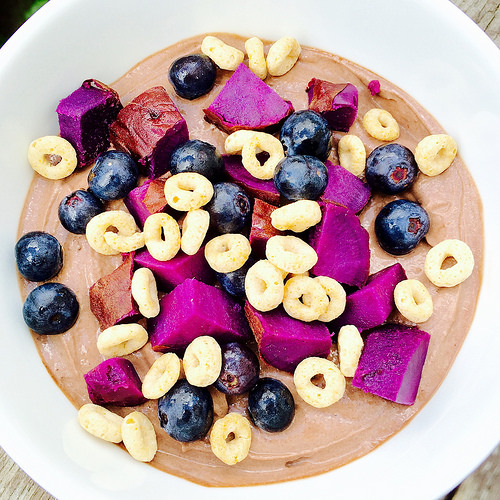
{"type": "Point", "coordinates": [53, 159]}
{"type": "Point", "coordinates": [448, 262]}
{"type": "Point", "coordinates": [230, 437]}
{"type": "Point", "coordinates": [319, 380]}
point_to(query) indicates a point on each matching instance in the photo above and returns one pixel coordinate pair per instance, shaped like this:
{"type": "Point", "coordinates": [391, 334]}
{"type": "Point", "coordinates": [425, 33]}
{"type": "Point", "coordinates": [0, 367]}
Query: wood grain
{"type": "Point", "coordinates": [483, 484]}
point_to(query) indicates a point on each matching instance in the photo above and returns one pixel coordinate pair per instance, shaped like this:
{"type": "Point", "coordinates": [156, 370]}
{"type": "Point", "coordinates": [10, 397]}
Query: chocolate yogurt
{"type": "Point", "coordinates": [318, 440]}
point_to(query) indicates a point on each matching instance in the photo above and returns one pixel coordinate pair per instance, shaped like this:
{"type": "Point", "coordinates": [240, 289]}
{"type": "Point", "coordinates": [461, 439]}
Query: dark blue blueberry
{"type": "Point", "coordinates": [230, 208]}
{"type": "Point", "coordinates": [271, 405]}
{"type": "Point", "coordinates": [113, 176]}
{"type": "Point", "coordinates": [234, 282]}
{"type": "Point", "coordinates": [192, 76]}
{"type": "Point", "coordinates": [240, 369]}
{"type": "Point", "coordinates": [306, 133]}
{"type": "Point", "coordinates": [197, 156]}
{"type": "Point", "coordinates": [391, 168]}
{"type": "Point", "coordinates": [76, 209]}
{"type": "Point", "coordinates": [39, 256]}
{"type": "Point", "coordinates": [50, 309]}
{"type": "Point", "coordinates": [300, 177]}
{"type": "Point", "coordinates": [400, 226]}
{"type": "Point", "coordinates": [186, 412]}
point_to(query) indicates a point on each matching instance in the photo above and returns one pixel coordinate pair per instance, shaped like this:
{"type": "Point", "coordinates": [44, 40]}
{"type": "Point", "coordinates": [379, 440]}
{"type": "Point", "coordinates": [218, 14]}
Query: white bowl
{"type": "Point", "coordinates": [427, 47]}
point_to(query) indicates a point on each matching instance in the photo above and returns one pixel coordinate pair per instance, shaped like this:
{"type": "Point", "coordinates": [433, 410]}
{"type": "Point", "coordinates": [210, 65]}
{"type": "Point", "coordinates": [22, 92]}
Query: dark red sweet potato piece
{"type": "Point", "coordinates": [147, 199]}
{"type": "Point", "coordinates": [261, 229]}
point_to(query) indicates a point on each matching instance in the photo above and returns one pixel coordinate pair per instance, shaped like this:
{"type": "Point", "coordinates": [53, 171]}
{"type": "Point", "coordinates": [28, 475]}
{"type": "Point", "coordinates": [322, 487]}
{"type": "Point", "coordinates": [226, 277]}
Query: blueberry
{"type": "Point", "coordinates": [50, 309]}
{"type": "Point", "coordinates": [76, 209]}
{"type": "Point", "coordinates": [39, 256]}
{"type": "Point", "coordinates": [391, 168]}
{"type": "Point", "coordinates": [197, 156]}
{"type": "Point", "coordinates": [400, 226]}
{"type": "Point", "coordinates": [271, 405]}
{"type": "Point", "coordinates": [240, 369]}
{"type": "Point", "coordinates": [192, 76]}
{"type": "Point", "coordinates": [186, 412]}
{"type": "Point", "coordinates": [113, 176]}
{"type": "Point", "coordinates": [230, 208]}
{"type": "Point", "coordinates": [234, 282]}
{"type": "Point", "coordinates": [300, 178]}
{"type": "Point", "coordinates": [306, 133]}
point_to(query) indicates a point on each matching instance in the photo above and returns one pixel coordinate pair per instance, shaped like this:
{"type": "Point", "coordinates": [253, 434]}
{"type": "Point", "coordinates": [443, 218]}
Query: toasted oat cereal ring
{"type": "Point", "coordinates": [291, 254]}
{"type": "Point", "coordinates": [350, 345]}
{"type": "Point", "coordinates": [145, 292]}
{"type": "Point", "coordinates": [188, 191]}
{"type": "Point", "coordinates": [122, 243]}
{"type": "Point", "coordinates": [381, 125]}
{"type": "Point", "coordinates": [413, 300]}
{"type": "Point", "coordinates": [162, 236]}
{"type": "Point", "coordinates": [282, 56]}
{"type": "Point", "coordinates": [336, 295]}
{"type": "Point", "coordinates": [228, 252]}
{"type": "Point", "coordinates": [256, 58]}
{"type": "Point", "coordinates": [101, 422]}
{"type": "Point", "coordinates": [304, 298]}
{"type": "Point", "coordinates": [202, 361]}
{"type": "Point", "coordinates": [435, 153]}
{"type": "Point", "coordinates": [237, 427]}
{"type": "Point", "coordinates": [264, 286]}
{"type": "Point", "coordinates": [162, 376]}
{"type": "Point", "coordinates": [52, 157]}
{"type": "Point", "coordinates": [139, 436]}
{"type": "Point", "coordinates": [311, 393]}
{"type": "Point", "coordinates": [222, 54]}
{"type": "Point", "coordinates": [99, 225]}
{"type": "Point", "coordinates": [454, 275]}
{"type": "Point", "coordinates": [352, 154]}
{"type": "Point", "coordinates": [297, 216]}
{"type": "Point", "coordinates": [194, 229]}
{"type": "Point", "coordinates": [120, 340]}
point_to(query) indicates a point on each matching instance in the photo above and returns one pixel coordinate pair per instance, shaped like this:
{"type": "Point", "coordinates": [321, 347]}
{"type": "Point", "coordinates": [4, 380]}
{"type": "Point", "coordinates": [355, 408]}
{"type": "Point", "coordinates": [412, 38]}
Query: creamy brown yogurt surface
{"type": "Point", "coordinates": [318, 440]}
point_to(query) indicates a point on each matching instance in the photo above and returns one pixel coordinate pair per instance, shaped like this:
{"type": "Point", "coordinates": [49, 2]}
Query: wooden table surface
{"type": "Point", "coordinates": [483, 484]}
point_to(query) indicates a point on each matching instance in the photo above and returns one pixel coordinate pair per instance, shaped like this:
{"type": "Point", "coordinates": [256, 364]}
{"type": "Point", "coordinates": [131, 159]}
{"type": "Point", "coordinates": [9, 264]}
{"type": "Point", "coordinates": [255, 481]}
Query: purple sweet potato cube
{"type": "Point", "coordinates": [146, 199]}
{"type": "Point", "coordinates": [111, 299]}
{"type": "Point", "coordinates": [149, 128]}
{"type": "Point", "coordinates": [345, 188]}
{"type": "Point", "coordinates": [246, 102]}
{"type": "Point", "coordinates": [374, 87]}
{"type": "Point", "coordinates": [193, 309]}
{"type": "Point", "coordinates": [264, 190]}
{"type": "Point", "coordinates": [173, 272]}
{"type": "Point", "coordinates": [391, 363]}
{"type": "Point", "coordinates": [336, 102]}
{"type": "Point", "coordinates": [342, 246]}
{"type": "Point", "coordinates": [284, 341]}
{"type": "Point", "coordinates": [115, 382]}
{"type": "Point", "coordinates": [371, 305]}
{"type": "Point", "coordinates": [85, 117]}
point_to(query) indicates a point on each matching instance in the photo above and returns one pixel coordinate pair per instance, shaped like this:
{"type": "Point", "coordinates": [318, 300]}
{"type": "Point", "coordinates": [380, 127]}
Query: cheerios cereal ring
{"type": "Point", "coordinates": [454, 275]}
{"type": "Point", "coordinates": [290, 254]}
{"type": "Point", "coordinates": [194, 229]}
{"type": "Point", "coordinates": [121, 340]}
{"type": "Point", "coordinates": [352, 154]}
{"type": "Point", "coordinates": [435, 153]}
{"type": "Point", "coordinates": [336, 295]}
{"type": "Point", "coordinates": [100, 422]}
{"type": "Point", "coordinates": [162, 236]}
{"type": "Point", "coordinates": [52, 157]}
{"type": "Point", "coordinates": [145, 292]}
{"type": "Point", "coordinates": [350, 346]}
{"type": "Point", "coordinates": [228, 252]}
{"type": "Point", "coordinates": [222, 54]}
{"type": "Point", "coordinates": [413, 300]}
{"type": "Point", "coordinates": [304, 298]}
{"type": "Point", "coordinates": [256, 58]}
{"type": "Point", "coordinates": [312, 394]}
{"type": "Point", "coordinates": [234, 450]}
{"type": "Point", "coordinates": [282, 55]}
{"type": "Point", "coordinates": [381, 125]}
{"type": "Point", "coordinates": [139, 436]}
{"type": "Point", "coordinates": [161, 376]}
{"type": "Point", "coordinates": [297, 216]}
{"type": "Point", "coordinates": [264, 286]}
{"type": "Point", "coordinates": [202, 361]}
{"type": "Point", "coordinates": [187, 191]}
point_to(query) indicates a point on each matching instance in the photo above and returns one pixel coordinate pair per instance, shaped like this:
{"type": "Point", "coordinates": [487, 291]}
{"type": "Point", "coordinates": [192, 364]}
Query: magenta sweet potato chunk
{"type": "Point", "coordinates": [391, 363]}
{"type": "Point", "coordinates": [85, 117]}
{"type": "Point", "coordinates": [265, 190]}
{"type": "Point", "coordinates": [261, 229]}
{"type": "Point", "coordinates": [284, 341]}
{"type": "Point", "coordinates": [111, 299]}
{"type": "Point", "coordinates": [149, 128]}
{"type": "Point", "coordinates": [114, 381]}
{"type": "Point", "coordinates": [246, 102]}
{"type": "Point", "coordinates": [336, 102]}
{"type": "Point", "coordinates": [345, 188]}
{"type": "Point", "coordinates": [173, 272]}
{"type": "Point", "coordinates": [371, 305]}
{"type": "Point", "coordinates": [342, 246]}
{"type": "Point", "coordinates": [147, 199]}
{"type": "Point", "coordinates": [193, 309]}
